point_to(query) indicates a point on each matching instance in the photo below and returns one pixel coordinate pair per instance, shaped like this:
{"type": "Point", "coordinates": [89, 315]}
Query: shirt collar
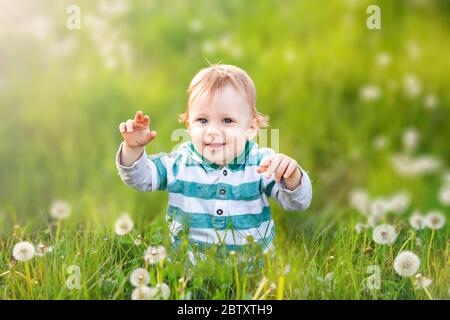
{"type": "Point", "coordinates": [235, 164]}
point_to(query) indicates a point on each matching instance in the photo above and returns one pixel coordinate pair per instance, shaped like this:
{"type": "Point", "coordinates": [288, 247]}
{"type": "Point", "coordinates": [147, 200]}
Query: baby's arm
{"type": "Point", "coordinates": [134, 167]}
{"type": "Point", "coordinates": [286, 182]}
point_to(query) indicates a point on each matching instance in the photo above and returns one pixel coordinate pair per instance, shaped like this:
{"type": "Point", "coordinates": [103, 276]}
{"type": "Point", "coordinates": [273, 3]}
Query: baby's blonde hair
{"type": "Point", "coordinates": [215, 78]}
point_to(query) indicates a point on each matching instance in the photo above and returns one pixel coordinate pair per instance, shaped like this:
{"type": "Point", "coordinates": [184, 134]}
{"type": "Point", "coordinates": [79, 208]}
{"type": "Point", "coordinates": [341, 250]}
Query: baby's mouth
{"type": "Point", "coordinates": [214, 145]}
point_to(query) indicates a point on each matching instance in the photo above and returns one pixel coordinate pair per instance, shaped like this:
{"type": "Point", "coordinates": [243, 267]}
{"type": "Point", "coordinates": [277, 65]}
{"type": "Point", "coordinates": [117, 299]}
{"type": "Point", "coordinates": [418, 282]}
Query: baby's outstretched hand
{"type": "Point", "coordinates": [283, 167]}
{"type": "Point", "coordinates": [136, 133]}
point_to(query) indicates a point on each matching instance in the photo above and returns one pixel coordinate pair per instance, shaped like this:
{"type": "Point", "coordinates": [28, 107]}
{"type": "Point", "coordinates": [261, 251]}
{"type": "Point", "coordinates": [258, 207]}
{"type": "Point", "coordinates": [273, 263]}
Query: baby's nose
{"type": "Point", "coordinates": [213, 130]}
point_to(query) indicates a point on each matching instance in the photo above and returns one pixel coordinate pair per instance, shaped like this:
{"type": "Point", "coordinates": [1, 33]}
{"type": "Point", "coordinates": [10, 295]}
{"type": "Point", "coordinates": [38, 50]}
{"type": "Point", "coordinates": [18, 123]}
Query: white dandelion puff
{"type": "Point", "coordinates": [435, 220]}
{"type": "Point", "coordinates": [40, 250]}
{"type": "Point", "coordinates": [399, 202]}
{"type": "Point", "coordinates": [373, 220]}
{"type": "Point", "coordinates": [195, 25]}
{"type": "Point", "coordinates": [379, 207]}
{"type": "Point", "coordinates": [144, 293]}
{"type": "Point", "coordinates": [370, 93]}
{"type": "Point", "coordinates": [444, 195]}
{"type": "Point", "coordinates": [384, 234]}
{"type": "Point", "coordinates": [379, 142]}
{"type": "Point", "coordinates": [139, 277]}
{"type": "Point", "coordinates": [359, 227]}
{"type": "Point", "coordinates": [60, 210]}
{"type": "Point", "coordinates": [410, 139]}
{"type": "Point", "coordinates": [446, 178]}
{"type": "Point", "coordinates": [360, 201]}
{"type": "Point", "coordinates": [209, 47]}
{"type": "Point", "coordinates": [383, 59]}
{"type": "Point", "coordinates": [23, 251]}
{"type": "Point", "coordinates": [164, 290]}
{"type": "Point", "coordinates": [421, 282]}
{"type": "Point", "coordinates": [123, 225]}
{"type": "Point", "coordinates": [416, 221]}
{"type": "Point", "coordinates": [431, 102]}
{"type": "Point", "coordinates": [413, 50]}
{"type": "Point", "coordinates": [412, 86]}
{"type": "Point", "coordinates": [155, 254]}
{"type": "Point", "coordinates": [406, 263]}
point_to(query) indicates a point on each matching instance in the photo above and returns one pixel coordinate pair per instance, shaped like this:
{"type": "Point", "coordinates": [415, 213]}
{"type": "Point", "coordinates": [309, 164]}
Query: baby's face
{"type": "Point", "coordinates": [220, 127]}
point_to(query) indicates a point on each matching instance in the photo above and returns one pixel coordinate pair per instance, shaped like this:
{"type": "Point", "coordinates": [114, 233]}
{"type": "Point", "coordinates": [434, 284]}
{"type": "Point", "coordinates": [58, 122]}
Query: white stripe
{"type": "Point", "coordinates": [154, 175]}
{"type": "Point", "coordinates": [230, 237]}
{"type": "Point", "coordinates": [235, 178]}
{"type": "Point", "coordinates": [230, 207]}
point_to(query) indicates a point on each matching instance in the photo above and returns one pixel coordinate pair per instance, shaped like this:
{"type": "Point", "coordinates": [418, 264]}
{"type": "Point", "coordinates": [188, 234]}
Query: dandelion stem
{"type": "Point", "coordinates": [28, 279]}
{"type": "Point", "coordinates": [428, 293]}
{"type": "Point", "coordinates": [4, 273]}
{"type": "Point", "coordinates": [429, 251]}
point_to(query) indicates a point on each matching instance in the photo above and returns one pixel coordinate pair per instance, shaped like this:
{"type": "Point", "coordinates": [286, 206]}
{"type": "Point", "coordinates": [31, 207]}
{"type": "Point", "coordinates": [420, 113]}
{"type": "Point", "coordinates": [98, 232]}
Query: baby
{"type": "Point", "coordinates": [218, 183]}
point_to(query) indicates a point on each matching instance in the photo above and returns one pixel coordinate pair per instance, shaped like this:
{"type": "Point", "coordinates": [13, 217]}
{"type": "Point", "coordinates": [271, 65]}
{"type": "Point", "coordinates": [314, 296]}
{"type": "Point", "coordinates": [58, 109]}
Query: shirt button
{"type": "Point", "coordinates": [222, 191]}
{"type": "Point", "coordinates": [225, 172]}
{"type": "Point", "coordinates": [219, 211]}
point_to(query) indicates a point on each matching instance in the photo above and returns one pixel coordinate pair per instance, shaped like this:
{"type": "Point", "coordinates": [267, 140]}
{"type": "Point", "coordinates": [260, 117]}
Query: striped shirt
{"type": "Point", "coordinates": [227, 206]}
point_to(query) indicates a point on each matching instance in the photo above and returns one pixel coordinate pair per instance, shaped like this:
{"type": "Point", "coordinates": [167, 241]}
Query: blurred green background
{"type": "Point", "coordinates": [341, 95]}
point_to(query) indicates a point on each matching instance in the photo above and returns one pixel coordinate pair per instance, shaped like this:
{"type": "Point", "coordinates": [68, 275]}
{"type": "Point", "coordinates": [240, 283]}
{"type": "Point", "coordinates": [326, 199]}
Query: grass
{"type": "Point", "coordinates": [60, 110]}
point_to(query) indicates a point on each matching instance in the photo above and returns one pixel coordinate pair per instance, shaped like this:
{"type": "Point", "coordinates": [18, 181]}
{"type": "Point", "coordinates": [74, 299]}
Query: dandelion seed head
{"type": "Point", "coordinates": [359, 227]}
{"type": "Point", "coordinates": [435, 220]}
{"type": "Point", "coordinates": [370, 93]}
{"type": "Point", "coordinates": [139, 277]}
{"type": "Point", "coordinates": [164, 290]}
{"type": "Point", "coordinates": [421, 282]}
{"type": "Point", "coordinates": [23, 251]}
{"type": "Point", "coordinates": [144, 293]}
{"type": "Point", "coordinates": [444, 195]}
{"type": "Point", "coordinates": [379, 142]}
{"type": "Point", "coordinates": [399, 202]}
{"type": "Point", "coordinates": [431, 102]}
{"type": "Point", "coordinates": [123, 224]}
{"type": "Point", "coordinates": [195, 26]}
{"type": "Point", "coordinates": [410, 139]}
{"type": "Point", "coordinates": [60, 210]}
{"type": "Point", "coordinates": [384, 234]}
{"type": "Point", "coordinates": [360, 201]}
{"type": "Point", "coordinates": [416, 221]}
{"type": "Point", "coordinates": [155, 254]}
{"type": "Point", "coordinates": [412, 86]}
{"type": "Point", "coordinates": [379, 207]}
{"type": "Point", "coordinates": [406, 264]}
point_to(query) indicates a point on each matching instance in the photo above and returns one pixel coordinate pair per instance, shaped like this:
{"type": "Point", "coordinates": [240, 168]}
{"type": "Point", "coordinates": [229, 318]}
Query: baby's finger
{"type": "Point", "coordinates": [130, 125]}
{"type": "Point", "coordinates": [146, 120]}
{"type": "Point", "coordinates": [264, 164]}
{"type": "Point", "coordinates": [151, 135]}
{"type": "Point", "coordinates": [138, 117]}
{"type": "Point", "coordinates": [281, 169]}
{"type": "Point", "coordinates": [122, 127]}
{"type": "Point", "coordinates": [273, 166]}
{"type": "Point", "coordinates": [290, 170]}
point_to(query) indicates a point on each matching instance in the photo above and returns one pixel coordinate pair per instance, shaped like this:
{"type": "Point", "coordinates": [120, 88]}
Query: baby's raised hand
{"type": "Point", "coordinates": [283, 167]}
{"type": "Point", "coordinates": [136, 133]}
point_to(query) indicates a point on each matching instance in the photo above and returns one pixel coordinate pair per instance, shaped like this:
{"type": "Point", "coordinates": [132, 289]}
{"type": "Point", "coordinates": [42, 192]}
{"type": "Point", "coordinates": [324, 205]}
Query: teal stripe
{"type": "Point", "coordinates": [245, 191]}
{"type": "Point", "coordinates": [205, 246]}
{"type": "Point", "coordinates": [208, 221]}
{"type": "Point", "coordinates": [269, 187]}
{"type": "Point", "coordinates": [232, 168]}
{"type": "Point", "coordinates": [162, 173]}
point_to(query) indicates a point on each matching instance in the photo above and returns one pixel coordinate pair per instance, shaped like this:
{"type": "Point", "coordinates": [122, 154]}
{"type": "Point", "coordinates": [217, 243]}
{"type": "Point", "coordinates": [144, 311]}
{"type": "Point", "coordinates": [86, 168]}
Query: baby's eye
{"type": "Point", "coordinates": [202, 120]}
{"type": "Point", "coordinates": [227, 120]}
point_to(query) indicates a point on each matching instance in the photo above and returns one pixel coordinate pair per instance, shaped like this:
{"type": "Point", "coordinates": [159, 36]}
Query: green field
{"type": "Point", "coordinates": [359, 109]}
